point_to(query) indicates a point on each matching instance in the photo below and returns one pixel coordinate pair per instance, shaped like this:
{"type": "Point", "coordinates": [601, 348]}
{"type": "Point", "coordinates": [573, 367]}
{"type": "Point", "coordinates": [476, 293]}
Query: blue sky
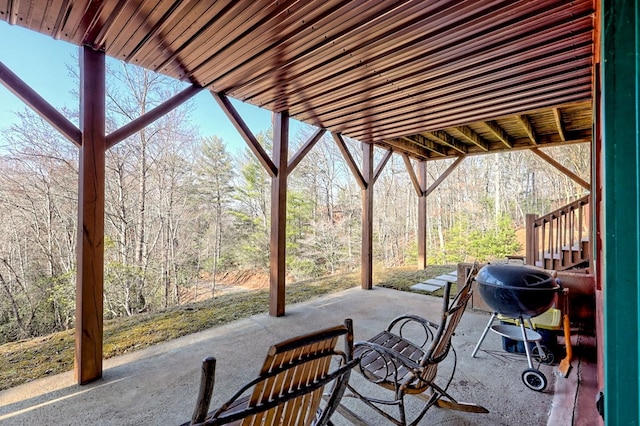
{"type": "Point", "coordinates": [42, 62]}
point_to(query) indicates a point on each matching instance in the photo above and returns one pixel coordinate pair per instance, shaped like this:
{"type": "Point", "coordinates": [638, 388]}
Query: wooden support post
{"type": "Point", "coordinates": [366, 266]}
{"type": "Point", "coordinates": [422, 216]}
{"type": "Point", "coordinates": [90, 267]}
{"type": "Point", "coordinates": [530, 237]}
{"type": "Point", "coordinates": [279, 214]}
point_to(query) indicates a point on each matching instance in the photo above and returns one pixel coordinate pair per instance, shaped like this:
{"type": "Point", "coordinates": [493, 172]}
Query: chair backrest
{"type": "Point", "coordinates": [289, 388]}
{"type": "Point", "coordinates": [442, 339]}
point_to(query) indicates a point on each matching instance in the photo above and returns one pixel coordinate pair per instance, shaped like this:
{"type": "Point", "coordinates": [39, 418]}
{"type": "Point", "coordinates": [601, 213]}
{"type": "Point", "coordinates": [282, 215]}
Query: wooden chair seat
{"type": "Point", "coordinates": [379, 368]}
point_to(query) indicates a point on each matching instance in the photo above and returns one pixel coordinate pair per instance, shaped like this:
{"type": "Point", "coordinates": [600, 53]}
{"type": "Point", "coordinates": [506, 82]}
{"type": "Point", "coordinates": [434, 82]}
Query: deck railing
{"type": "Point", "coordinates": [560, 240]}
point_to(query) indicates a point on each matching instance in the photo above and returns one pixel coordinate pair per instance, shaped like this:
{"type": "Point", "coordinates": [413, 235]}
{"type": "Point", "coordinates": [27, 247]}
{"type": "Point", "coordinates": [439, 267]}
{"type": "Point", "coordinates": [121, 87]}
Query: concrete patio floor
{"type": "Point", "coordinates": [159, 385]}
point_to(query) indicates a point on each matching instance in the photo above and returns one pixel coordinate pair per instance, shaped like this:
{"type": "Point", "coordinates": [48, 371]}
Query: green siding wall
{"type": "Point", "coordinates": [621, 211]}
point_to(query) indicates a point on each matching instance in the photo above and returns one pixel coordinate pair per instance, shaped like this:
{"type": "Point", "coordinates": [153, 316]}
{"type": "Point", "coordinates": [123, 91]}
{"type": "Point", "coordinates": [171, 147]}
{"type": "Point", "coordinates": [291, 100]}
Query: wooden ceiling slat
{"type": "Point", "coordinates": [104, 32]}
{"type": "Point", "coordinates": [488, 100]}
{"type": "Point", "coordinates": [159, 25]}
{"type": "Point", "coordinates": [229, 27]}
{"type": "Point", "coordinates": [346, 23]}
{"type": "Point", "coordinates": [191, 35]}
{"type": "Point", "coordinates": [445, 77]}
{"type": "Point", "coordinates": [138, 25]}
{"type": "Point", "coordinates": [447, 93]}
{"type": "Point", "coordinates": [192, 14]}
{"type": "Point", "coordinates": [456, 120]}
{"type": "Point", "coordinates": [334, 59]}
{"type": "Point", "coordinates": [280, 35]}
{"type": "Point", "coordinates": [398, 70]}
{"type": "Point", "coordinates": [428, 78]}
{"type": "Point", "coordinates": [473, 115]}
{"type": "Point", "coordinates": [414, 51]}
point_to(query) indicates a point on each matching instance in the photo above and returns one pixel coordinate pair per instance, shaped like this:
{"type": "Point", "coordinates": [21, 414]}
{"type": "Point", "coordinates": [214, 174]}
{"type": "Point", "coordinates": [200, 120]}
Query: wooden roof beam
{"type": "Point", "coordinates": [425, 143]}
{"type": "Point", "coordinates": [246, 134]}
{"type": "Point", "coordinates": [406, 147]}
{"type": "Point", "coordinates": [149, 117]}
{"type": "Point", "coordinates": [557, 115]}
{"type": "Point", "coordinates": [383, 162]}
{"type": "Point", "coordinates": [499, 132]}
{"type": "Point", "coordinates": [528, 128]}
{"type": "Point", "coordinates": [342, 146]}
{"type": "Point", "coordinates": [444, 175]}
{"type": "Point", "coordinates": [36, 102]}
{"type": "Point", "coordinates": [473, 137]}
{"type": "Point", "coordinates": [412, 175]}
{"type": "Point", "coordinates": [562, 169]}
{"type": "Point", "coordinates": [449, 140]}
{"type": "Point", "coordinates": [304, 150]}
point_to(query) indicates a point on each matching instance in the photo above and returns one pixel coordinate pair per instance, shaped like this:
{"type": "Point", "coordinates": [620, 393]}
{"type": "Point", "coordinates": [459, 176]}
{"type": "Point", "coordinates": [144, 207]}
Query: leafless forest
{"type": "Point", "coordinates": [182, 209]}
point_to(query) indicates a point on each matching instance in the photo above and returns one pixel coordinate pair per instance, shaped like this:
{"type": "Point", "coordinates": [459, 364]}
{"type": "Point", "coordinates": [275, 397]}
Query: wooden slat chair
{"type": "Point", "coordinates": [408, 368]}
{"type": "Point", "coordinates": [289, 388]}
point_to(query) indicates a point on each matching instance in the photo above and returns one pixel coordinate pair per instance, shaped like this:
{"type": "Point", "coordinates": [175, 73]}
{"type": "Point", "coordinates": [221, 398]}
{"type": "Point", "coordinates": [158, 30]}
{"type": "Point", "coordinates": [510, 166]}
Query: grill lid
{"type": "Point", "coordinates": [515, 276]}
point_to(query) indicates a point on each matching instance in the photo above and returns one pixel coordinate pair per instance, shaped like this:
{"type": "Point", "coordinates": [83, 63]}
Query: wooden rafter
{"type": "Point", "coordinates": [583, 183]}
{"type": "Point", "coordinates": [412, 175]}
{"type": "Point", "coordinates": [304, 150]}
{"type": "Point", "coordinates": [528, 128]}
{"type": "Point", "coordinates": [557, 116]}
{"type": "Point", "coordinates": [246, 134]}
{"type": "Point", "coordinates": [99, 40]}
{"type": "Point", "coordinates": [383, 162]}
{"type": "Point", "coordinates": [408, 147]}
{"type": "Point", "coordinates": [449, 140]}
{"type": "Point", "coordinates": [349, 159]}
{"type": "Point", "coordinates": [444, 175]}
{"type": "Point", "coordinates": [499, 133]}
{"type": "Point", "coordinates": [473, 137]}
{"type": "Point", "coordinates": [426, 143]}
{"type": "Point", "coordinates": [30, 97]}
{"type": "Point", "coordinates": [149, 117]}
{"type": "Point", "coordinates": [160, 25]}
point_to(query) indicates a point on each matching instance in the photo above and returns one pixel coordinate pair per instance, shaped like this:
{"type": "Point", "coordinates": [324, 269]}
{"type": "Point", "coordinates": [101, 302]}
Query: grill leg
{"type": "Point", "coordinates": [526, 343]}
{"type": "Point", "coordinates": [543, 354]}
{"type": "Point", "coordinates": [484, 334]}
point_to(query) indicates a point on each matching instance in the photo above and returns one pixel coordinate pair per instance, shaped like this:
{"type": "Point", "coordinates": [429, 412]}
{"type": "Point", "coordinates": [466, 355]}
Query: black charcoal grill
{"type": "Point", "coordinates": [519, 292]}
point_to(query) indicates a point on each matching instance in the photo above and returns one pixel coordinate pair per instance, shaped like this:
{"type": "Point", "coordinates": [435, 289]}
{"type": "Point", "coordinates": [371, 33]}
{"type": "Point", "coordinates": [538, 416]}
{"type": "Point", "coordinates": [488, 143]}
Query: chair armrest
{"type": "Point", "coordinates": [400, 322]}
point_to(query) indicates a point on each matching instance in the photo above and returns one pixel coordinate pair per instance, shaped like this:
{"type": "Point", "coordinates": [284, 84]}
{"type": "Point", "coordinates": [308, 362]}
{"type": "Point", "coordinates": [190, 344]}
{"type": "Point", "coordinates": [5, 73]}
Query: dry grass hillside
{"type": "Point", "coordinates": [238, 296]}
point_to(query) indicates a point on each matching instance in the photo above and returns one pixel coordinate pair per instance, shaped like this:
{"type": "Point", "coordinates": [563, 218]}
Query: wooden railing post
{"type": "Point", "coordinates": [530, 237]}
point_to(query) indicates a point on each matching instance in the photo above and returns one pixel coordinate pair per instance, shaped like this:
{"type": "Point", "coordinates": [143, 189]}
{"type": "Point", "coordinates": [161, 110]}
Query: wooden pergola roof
{"type": "Point", "coordinates": [426, 79]}
{"type": "Point", "coordinates": [430, 79]}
